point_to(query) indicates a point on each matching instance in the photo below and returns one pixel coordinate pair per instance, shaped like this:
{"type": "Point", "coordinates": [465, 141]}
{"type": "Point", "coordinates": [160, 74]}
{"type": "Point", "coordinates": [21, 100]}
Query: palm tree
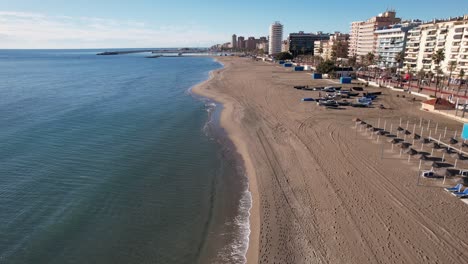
{"type": "Point", "coordinates": [408, 67]}
{"type": "Point", "coordinates": [370, 57]}
{"type": "Point", "coordinates": [352, 61]}
{"type": "Point", "coordinates": [452, 65]}
{"type": "Point", "coordinates": [437, 58]}
{"type": "Point", "coordinates": [461, 75]}
{"type": "Point", "coordinates": [399, 57]}
{"type": "Point", "coordinates": [294, 49]}
{"type": "Point", "coordinates": [421, 75]}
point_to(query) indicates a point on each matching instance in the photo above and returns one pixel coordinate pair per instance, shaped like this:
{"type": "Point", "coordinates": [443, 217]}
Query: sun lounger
{"type": "Point", "coordinates": [461, 194]}
{"type": "Point", "coordinates": [455, 188]}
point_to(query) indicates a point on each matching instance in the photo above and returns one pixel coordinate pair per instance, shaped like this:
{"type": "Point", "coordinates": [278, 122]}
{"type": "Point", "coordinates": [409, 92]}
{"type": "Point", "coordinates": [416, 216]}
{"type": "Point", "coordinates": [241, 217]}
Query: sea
{"type": "Point", "coordinates": [112, 159]}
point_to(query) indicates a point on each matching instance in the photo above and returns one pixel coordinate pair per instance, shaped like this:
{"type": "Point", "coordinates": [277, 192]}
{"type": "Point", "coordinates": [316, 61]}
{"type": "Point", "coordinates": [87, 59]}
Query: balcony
{"type": "Point", "coordinates": [455, 50]}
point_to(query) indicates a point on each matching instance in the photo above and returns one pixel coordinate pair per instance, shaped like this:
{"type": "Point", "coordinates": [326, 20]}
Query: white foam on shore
{"type": "Point", "coordinates": [237, 251]}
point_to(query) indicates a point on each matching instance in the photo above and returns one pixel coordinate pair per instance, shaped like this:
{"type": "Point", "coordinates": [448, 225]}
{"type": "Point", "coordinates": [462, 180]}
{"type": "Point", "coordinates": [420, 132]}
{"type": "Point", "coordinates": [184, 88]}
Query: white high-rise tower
{"type": "Point", "coordinates": [234, 41]}
{"type": "Point", "coordinates": [276, 37]}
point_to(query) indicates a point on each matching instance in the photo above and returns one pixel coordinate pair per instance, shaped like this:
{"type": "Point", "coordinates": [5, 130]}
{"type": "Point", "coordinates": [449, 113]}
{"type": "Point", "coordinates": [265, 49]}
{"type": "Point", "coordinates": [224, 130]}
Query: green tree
{"type": "Point", "coordinates": [333, 55]}
{"type": "Point", "coordinates": [461, 75]}
{"type": "Point", "coordinates": [294, 50]}
{"type": "Point", "coordinates": [421, 74]}
{"type": "Point", "coordinates": [437, 58]}
{"type": "Point", "coordinates": [370, 58]}
{"type": "Point", "coordinates": [399, 57]}
{"type": "Point", "coordinates": [451, 67]}
{"type": "Point", "coordinates": [409, 71]}
{"type": "Point", "coordinates": [352, 61]}
{"type": "Point", "coordinates": [326, 66]}
{"type": "Point", "coordinates": [283, 56]}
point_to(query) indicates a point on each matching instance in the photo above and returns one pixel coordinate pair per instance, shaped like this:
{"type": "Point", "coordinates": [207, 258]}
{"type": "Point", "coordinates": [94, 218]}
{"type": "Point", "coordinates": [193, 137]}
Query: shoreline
{"type": "Point", "coordinates": [318, 186]}
{"type": "Point", "coordinates": [227, 123]}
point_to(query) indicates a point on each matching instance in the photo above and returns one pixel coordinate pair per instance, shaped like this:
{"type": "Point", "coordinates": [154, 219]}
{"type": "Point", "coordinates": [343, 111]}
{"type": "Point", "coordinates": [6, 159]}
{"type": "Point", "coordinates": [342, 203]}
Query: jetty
{"type": "Point", "coordinates": [160, 52]}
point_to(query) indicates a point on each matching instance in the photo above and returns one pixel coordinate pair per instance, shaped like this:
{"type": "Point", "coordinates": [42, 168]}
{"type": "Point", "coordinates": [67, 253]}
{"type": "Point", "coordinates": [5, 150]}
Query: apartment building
{"type": "Point", "coordinates": [276, 37]}
{"type": "Point", "coordinates": [391, 43]}
{"type": "Point", "coordinates": [363, 39]}
{"type": "Point", "coordinates": [303, 43]}
{"type": "Point", "coordinates": [324, 48]}
{"type": "Point", "coordinates": [450, 35]}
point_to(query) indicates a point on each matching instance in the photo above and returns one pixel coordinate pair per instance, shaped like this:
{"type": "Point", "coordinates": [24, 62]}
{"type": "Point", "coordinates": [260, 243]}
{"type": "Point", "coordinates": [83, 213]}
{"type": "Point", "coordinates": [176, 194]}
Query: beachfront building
{"type": "Point", "coordinates": [262, 46]}
{"type": "Point", "coordinates": [450, 35]}
{"type": "Point", "coordinates": [285, 46]}
{"type": "Point", "coordinates": [353, 38]}
{"type": "Point", "coordinates": [276, 37]}
{"type": "Point", "coordinates": [335, 47]}
{"type": "Point", "coordinates": [363, 39]}
{"type": "Point", "coordinates": [303, 43]}
{"type": "Point", "coordinates": [320, 48]}
{"type": "Point", "coordinates": [391, 43]}
{"type": "Point", "coordinates": [251, 43]}
{"type": "Point", "coordinates": [241, 42]}
{"type": "Point", "coordinates": [234, 41]}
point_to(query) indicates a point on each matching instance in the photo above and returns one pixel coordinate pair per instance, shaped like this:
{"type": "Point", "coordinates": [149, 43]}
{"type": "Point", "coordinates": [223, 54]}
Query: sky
{"type": "Point", "coordinates": [55, 24]}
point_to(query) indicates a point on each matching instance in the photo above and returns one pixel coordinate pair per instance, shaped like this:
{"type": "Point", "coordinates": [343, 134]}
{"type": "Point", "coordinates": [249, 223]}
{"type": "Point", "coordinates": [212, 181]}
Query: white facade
{"type": "Point", "coordinates": [363, 39]}
{"type": "Point", "coordinates": [276, 38]}
{"type": "Point", "coordinates": [449, 35]}
{"type": "Point", "coordinates": [391, 41]}
{"type": "Point", "coordinates": [353, 38]}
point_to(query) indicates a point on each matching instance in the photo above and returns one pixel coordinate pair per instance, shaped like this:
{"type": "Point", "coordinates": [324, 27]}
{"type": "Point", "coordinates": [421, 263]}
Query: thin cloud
{"type": "Point", "coordinates": [34, 30]}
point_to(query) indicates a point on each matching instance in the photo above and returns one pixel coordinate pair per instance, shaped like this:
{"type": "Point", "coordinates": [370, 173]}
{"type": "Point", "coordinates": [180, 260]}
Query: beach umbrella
{"type": "Point", "coordinates": [405, 145]}
{"type": "Point", "coordinates": [448, 150]}
{"type": "Point", "coordinates": [411, 152]}
{"type": "Point", "coordinates": [423, 156]}
{"type": "Point", "coordinates": [453, 141]}
{"type": "Point", "coordinates": [416, 136]}
{"type": "Point", "coordinates": [426, 141]}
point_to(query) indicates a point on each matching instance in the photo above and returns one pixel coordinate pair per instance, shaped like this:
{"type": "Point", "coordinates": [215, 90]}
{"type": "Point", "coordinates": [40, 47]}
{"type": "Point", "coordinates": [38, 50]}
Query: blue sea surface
{"type": "Point", "coordinates": [110, 159]}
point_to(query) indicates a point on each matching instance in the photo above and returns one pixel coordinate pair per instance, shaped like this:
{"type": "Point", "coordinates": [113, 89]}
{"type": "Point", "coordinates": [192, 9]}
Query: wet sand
{"type": "Point", "coordinates": [321, 192]}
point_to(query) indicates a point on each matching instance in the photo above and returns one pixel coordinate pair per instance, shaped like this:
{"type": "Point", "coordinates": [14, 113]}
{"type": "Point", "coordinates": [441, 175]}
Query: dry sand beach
{"type": "Point", "coordinates": [321, 192]}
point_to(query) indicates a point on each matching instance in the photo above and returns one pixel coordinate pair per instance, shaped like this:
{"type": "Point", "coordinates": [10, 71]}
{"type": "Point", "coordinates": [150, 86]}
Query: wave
{"type": "Point", "coordinates": [237, 251]}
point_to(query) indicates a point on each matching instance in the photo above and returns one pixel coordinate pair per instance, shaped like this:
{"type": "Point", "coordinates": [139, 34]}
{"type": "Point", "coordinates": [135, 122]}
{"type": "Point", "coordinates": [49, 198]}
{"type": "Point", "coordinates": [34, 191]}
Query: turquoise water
{"type": "Point", "coordinates": [110, 159]}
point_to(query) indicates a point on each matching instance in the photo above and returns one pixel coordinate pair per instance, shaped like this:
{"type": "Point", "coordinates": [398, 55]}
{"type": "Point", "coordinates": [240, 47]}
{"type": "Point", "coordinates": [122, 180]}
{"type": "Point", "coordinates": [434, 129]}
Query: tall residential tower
{"type": "Point", "coordinates": [276, 37]}
{"type": "Point", "coordinates": [363, 39]}
{"type": "Point", "coordinates": [234, 41]}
